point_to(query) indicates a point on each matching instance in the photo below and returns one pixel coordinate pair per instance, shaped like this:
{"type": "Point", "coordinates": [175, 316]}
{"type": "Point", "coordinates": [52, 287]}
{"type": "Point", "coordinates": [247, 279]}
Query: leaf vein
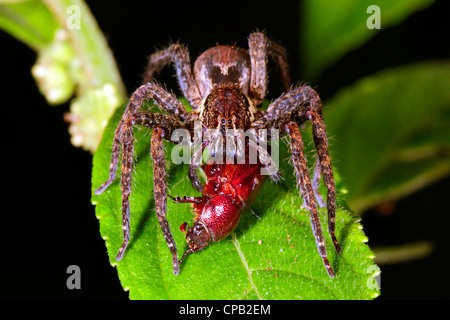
{"type": "Point", "coordinates": [244, 262]}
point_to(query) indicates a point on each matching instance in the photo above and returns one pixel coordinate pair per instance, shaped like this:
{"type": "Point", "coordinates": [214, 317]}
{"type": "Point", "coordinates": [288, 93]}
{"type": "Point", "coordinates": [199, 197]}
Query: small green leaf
{"type": "Point", "coordinates": [332, 28]}
{"type": "Point", "coordinates": [29, 21]}
{"type": "Point", "coordinates": [390, 132]}
{"type": "Point", "coordinates": [88, 114]}
{"type": "Point", "coordinates": [57, 69]}
{"type": "Point", "coordinates": [73, 59]}
{"type": "Point", "coordinates": [271, 255]}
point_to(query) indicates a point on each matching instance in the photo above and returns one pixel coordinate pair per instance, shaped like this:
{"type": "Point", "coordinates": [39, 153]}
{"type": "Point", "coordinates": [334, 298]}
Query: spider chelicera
{"type": "Point", "coordinates": [225, 90]}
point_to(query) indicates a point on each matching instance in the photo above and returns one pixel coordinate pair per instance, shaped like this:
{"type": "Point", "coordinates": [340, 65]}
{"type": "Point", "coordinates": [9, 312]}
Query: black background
{"type": "Point", "coordinates": [48, 222]}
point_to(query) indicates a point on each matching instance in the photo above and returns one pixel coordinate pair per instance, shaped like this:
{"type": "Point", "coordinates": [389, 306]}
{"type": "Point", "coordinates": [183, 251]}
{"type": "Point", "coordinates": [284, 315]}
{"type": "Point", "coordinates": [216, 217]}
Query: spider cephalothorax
{"type": "Point", "coordinates": [227, 107]}
{"type": "Point", "coordinates": [225, 90]}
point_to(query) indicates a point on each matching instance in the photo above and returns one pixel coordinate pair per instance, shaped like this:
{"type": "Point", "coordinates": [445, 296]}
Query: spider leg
{"type": "Point", "coordinates": [112, 167]}
{"type": "Point", "coordinates": [303, 103]}
{"type": "Point", "coordinates": [304, 182]}
{"type": "Point", "coordinates": [316, 181]}
{"type": "Point", "coordinates": [194, 165]}
{"type": "Point", "coordinates": [159, 191]}
{"type": "Point", "coordinates": [163, 125]}
{"type": "Point", "coordinates": [179, 56]}
{"type": "Point", "coordinates": [153, 120]}
{"type": "Point", "coordinates": [292, 106]}
{"type": "Point", "coordinates": [126, 173]}
{"type": "Point", "coordinates": [192, 174]}
{"type": "Point", "coordinates": [299, 105]}
{"type": "Point", "coordinates": [320, 140]}
{"type": "Point", "coordinates": [265, 158]}
{"type": "Point", "coordinates": [260, 47]}
{"type": "Point", "coordinates": [164, 100]}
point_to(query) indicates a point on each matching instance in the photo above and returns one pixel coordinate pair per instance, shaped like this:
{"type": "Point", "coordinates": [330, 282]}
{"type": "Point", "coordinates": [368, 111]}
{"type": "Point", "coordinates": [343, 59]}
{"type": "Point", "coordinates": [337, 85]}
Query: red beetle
{"type": "Point", "coordinates": [229, 191]}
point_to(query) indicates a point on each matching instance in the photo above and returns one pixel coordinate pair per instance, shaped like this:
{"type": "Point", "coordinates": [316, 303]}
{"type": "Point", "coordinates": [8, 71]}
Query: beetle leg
{"type": "Point", "coordinates": [185, 199]}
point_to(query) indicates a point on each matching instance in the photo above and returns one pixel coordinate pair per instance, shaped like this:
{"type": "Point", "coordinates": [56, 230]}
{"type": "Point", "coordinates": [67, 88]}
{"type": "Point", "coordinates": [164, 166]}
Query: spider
{"type": "Point", "coordinates": [225, 89]}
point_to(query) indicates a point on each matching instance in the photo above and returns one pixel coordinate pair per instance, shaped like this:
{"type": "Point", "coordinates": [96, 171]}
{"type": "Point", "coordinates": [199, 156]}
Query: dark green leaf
{"type": "Point", "coordinates": [390, 132]}
{"type": "Point", "coordinates": [29, 21]}
{"type": "Point", "coordinates": [332, 28]}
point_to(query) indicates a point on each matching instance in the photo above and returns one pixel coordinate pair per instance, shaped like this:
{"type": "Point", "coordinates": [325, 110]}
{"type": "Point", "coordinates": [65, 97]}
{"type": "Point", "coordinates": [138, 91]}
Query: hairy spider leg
{"type": "Point", "coordinates": [179, 56]}
{"type": "Point", "coordinates": [304, 182]}
{"type": "Point", "coordinates": [163, 99]}
{"type": "Point", "coordinates": [125, 183]}
{"type": "Point", "coordinates": [299, 105]}
{"type": "Point", "coordinates": [195, 164]}
{"type": "Point", "coordinates": [320, 140]}
{"type": "Point", "coordinates": [260, 47]}
{"type": "Point", "coordinates": [159, 191]}
{"type": "Point", "coordinates": [316, 181]}
{"type": "Point", "coordinates": [163, 126]}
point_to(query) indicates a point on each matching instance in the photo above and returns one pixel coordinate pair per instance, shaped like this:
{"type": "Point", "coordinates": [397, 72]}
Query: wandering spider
{"type": "Point", "coordinates": [225, 90]}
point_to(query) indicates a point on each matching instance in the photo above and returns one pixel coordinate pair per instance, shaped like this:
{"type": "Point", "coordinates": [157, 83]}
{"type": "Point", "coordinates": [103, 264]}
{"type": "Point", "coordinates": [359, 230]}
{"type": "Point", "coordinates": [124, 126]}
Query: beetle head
{"type": "Point", "coordinates": [197, 237]}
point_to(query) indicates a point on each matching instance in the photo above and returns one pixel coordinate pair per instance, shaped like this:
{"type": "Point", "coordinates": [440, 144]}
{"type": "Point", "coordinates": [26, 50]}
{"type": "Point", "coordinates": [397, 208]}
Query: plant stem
{"type": "Point", "coordinates": [98, 63]}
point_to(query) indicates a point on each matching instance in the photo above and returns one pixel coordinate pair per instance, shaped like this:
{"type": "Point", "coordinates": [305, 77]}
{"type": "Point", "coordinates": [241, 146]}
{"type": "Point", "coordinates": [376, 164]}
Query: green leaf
{"type": "Point", "coordinates": [390, 132]}
{"type": "Point", "coordinates": [73, 59]}
{"type": "Point", "coordinates": [330, 29]}
{"type": "Point", "coordinates": [29, 21]}
{"type": "Point", "coordinates": [271, 255]}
